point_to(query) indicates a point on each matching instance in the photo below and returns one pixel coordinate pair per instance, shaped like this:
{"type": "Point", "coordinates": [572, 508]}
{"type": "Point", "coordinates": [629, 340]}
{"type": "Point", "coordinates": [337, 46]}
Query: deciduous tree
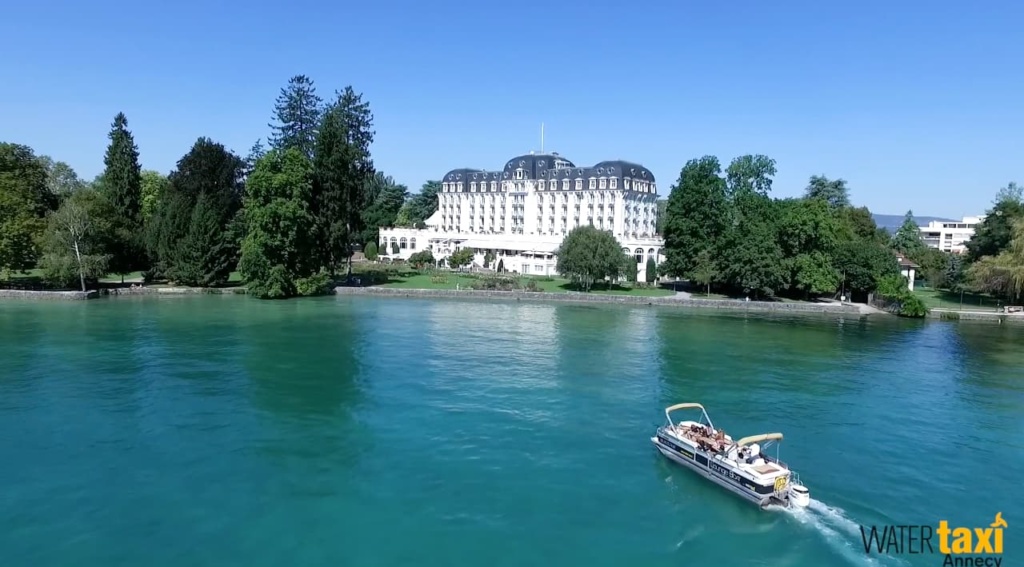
{"type": "Point", "coordinates": [697, 217]}
{"type": "Point", "coordinates": [74, 246]}
{"type": "Point", "coordinates": [24, 201]}
{"type": "Point", "coordinates": [587, 255]}
{"type": "Point", "coordinates": [278, 248]}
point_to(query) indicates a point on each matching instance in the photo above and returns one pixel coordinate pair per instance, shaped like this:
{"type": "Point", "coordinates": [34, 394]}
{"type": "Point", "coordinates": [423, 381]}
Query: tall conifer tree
{"type": "Point", "coordinates": [298, 111]}
{"type": "Point", "coordinates": [122, 184]}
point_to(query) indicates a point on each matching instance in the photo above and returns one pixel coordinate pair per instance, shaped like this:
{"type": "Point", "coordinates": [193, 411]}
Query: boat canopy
{"type": "Point", "coordinates": [759, 438]}
{"type": "Point", "coordinates": [689, 405]}
{"type": "Point", "coordinates": [671, 409]}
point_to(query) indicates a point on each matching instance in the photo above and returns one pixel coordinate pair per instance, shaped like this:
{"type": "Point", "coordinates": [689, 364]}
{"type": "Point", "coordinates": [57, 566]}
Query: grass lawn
{"type": "Point", "coordinates": [453, 280]}
{"type": "Point", "coordinates": [942, 299]}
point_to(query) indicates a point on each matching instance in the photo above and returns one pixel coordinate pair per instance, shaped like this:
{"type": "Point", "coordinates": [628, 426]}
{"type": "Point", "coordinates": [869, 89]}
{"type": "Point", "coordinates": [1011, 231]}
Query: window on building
{"type": "Point", "coordinates": [519, 174]}
{"type": "Point", "coordinates": [592, 184]}
{"type": "Point", "coordinates": [472, 187]}
{"type": "Point", "coordinates": [602, 183]}
{"type": "Point", "coordinates": [639, 255]}
{"type": "Point", "coordinates": [540, 185]}
{"type": "Point", "coordinates": [460, 186]}
{"type": "Point", "coordinates": [579, 184]}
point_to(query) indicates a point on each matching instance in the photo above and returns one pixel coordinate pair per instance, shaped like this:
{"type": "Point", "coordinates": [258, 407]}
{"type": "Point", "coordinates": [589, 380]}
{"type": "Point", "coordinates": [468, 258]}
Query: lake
{"type": "Point", "coordinates": [221, 430]}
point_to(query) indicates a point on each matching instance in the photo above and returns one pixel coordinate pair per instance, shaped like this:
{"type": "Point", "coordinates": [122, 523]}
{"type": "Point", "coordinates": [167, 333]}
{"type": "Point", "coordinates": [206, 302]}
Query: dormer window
{"type": "Point", "coordinates": [579, 184]}
{"type": "Point", "coordinates": [613, 183]}
{"type": "Point", "coordinates": [519, 173]}
{"type": "Point", "coordinates": [593, 183]}
{"type": "Point", "coordinates": [540, 185]}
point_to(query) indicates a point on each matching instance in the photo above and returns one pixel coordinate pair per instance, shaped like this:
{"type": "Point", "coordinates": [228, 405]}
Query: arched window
{"type": "Point", "coordinates": [639, 255]}
{"type": "Point", "coordinates": [412, 245]}
{"type": "Point", "coordinates": [403, 244]}
{"type": "Point", "coordinates": [625, 250]}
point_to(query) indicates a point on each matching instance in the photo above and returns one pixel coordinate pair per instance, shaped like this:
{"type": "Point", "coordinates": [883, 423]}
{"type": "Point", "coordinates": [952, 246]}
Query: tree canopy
{"type": "Point", "coordinates": [587, 255]}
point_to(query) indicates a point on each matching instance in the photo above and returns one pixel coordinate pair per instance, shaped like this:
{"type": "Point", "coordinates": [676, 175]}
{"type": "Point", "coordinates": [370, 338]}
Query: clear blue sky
{"type": "Point", "coordinates": [916, 104]}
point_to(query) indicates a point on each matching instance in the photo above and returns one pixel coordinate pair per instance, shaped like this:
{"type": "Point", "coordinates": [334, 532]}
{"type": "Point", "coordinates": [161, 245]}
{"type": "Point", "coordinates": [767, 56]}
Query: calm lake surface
{"type": "Point", "coordinates": [363, 431]}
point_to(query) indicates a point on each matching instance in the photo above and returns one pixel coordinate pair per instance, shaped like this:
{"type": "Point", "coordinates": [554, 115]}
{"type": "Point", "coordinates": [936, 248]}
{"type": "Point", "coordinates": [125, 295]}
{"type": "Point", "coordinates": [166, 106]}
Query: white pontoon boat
{"type": "Point", "coordinates": [740, 466]}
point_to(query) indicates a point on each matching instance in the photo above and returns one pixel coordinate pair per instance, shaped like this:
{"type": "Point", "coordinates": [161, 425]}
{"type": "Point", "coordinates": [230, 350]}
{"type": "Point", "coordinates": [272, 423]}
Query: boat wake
{"type": "Point", "coordinates": [840, 533]}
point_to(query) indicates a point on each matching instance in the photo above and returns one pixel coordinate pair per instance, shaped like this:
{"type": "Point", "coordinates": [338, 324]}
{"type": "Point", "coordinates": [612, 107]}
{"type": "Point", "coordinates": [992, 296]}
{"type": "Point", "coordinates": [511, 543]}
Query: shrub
{"type": "Point", "coordinates": [317, 284]}
{"type": "Point", "coordinates": [494, 283]}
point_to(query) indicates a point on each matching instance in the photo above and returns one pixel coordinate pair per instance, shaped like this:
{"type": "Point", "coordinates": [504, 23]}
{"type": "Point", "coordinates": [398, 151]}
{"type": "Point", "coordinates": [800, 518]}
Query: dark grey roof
{"type": "Point", "coordinates": [542, 166]}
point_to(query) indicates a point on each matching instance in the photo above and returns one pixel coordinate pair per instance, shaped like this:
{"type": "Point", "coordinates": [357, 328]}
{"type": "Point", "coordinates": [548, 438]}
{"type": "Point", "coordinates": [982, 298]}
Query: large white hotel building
{"type": "Point", "coordinates": [521, 213]}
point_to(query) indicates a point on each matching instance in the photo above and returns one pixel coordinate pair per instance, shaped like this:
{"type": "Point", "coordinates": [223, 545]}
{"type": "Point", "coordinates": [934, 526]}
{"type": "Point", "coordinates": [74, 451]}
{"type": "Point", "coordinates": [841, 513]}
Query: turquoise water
{"type": "Point", "coordinates": [359, 431]}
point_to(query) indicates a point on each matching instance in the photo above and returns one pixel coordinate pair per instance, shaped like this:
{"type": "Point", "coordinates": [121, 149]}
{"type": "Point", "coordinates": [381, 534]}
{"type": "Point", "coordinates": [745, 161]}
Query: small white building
{"type": "Point", "coordinates": [950, 236]}
{"type": "Point", "coordinates": [521, 214]}
{"type": "Point", "coordinates": [908, 270]}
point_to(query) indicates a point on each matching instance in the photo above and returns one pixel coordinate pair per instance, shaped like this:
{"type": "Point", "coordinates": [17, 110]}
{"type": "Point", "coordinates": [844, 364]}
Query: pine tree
{"type": "Point", "coordinates": [298, 111]}
{"type": "Point", "coordinates": [122, 185]}
{"type": "Point", "coordinates": [343, 176]}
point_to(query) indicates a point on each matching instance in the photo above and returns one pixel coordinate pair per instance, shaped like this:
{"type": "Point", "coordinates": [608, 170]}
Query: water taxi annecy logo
{"type": "Point", "coordinates": [960, 546]}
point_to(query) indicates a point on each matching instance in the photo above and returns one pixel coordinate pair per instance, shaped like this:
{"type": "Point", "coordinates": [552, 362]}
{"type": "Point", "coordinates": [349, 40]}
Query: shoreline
{"type": "Point", "coordinates": [575, 297]}
{"type": "Point", "coordinates": [672, 301]}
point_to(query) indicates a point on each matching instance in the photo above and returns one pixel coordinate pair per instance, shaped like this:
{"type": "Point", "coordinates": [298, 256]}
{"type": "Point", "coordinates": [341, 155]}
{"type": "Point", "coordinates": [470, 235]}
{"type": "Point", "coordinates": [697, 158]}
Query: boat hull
{"type": "Point", "coordinates": [689, 459]}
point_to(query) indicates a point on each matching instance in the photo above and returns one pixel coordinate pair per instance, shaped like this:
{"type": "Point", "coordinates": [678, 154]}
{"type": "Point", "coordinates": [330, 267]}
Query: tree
{"type": "Point", "coordinates": [298, 112]}
{"type": "Point", "coordinates": [833, 192]}
{"type": "Point", "coordinates": [191, 235]}
{"type": "Point", "coordinates": [122, 185]}
{"type": "Point", "coordinates": [278, 248]}
{"type": "Point", "coordinates": [587, 255]}
{"type": "Point", "coordinates": [808, 236]}
{"type": "Point", "coordinates": [422, 204]}
{"type": "Point", "coordinates": [343, 174]}
{"type": "Point", "coordinates": [1002, 274]}
{"type": "Point", "coordinates": [697, 217]}
{"type": "Point", "coordinates": [370, 251]}
{"type": "Point", "coordinates": [394, 248]}
{"type": "Point", "coordinates": [662, 205]}
{"type": "Point", "coordinates": [651, 270]}
{"type": "Point", "coordinates": [386, 199]}
{"type": "Point", "coordinates": [704, 270]}
{"type": "Point", "coordinates": [24, 201]}
{"type": "Point", "coordinates": [857, 223]}
{"type": "Point", "coordinates": [460, 258]}
{"type": "Point", "coordinates": [753, 260]}
{"type": "Point", "coordinates": [750, 174]}
{"type": "Point", "coordinates": [501, 266]}
{"type": "Point", "coordinates": [61, 179]}
{"type": "Point", "coordinates": [862, 264]}
{"type": "Point", "coordinates": [629, 268]}
{"type": "Point", "coordinates": [153, 186]}
{"type": "Point", "coordinates": [423, 258]}
{"type": "Point", "coordinates": [993, 235]}
{"type": "Point", "coordinates": [74, 246]}
{"type": "Point", "coordinates": [751, 255]}
{"type": "Point", "coordinates": [907, 239]}
{"type": "Point", "coordinates": [488, 258]}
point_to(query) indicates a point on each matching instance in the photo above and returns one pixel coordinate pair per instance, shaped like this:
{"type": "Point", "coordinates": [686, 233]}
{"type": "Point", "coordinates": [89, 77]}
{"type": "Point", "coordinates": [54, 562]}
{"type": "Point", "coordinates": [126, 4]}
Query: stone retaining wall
{"type": "Point", "coordinates": [174, 291]}
{"type": "Point", "coordinates": [47, 295]}
{"type": "Point", "coordinates": [989, 316]}
{"type": "Point", "coordinates": [671, 301]}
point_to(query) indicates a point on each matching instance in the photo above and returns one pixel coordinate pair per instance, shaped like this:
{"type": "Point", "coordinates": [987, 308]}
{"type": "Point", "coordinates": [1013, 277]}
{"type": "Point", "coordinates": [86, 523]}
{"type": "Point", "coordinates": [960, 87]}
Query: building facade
{"type": "Point", "coordinates": [950, 236]}
{"type": "Point", "coordinates": [521, 213]}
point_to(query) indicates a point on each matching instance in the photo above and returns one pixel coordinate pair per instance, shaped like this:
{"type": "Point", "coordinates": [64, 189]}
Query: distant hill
{"type": "Point", "coordinates": [893, 222]}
